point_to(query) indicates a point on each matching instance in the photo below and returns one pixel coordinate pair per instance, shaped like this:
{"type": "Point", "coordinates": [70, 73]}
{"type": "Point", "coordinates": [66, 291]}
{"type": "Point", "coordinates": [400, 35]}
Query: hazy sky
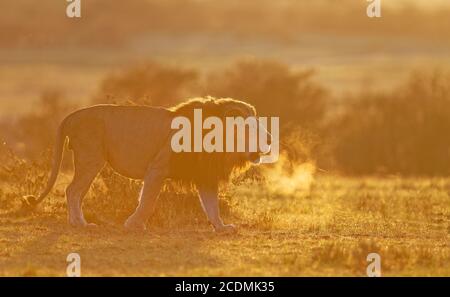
{"type": "Point", "coordinates": [421, 3]}
{"type": "Point", "coordinates": [40, 48]}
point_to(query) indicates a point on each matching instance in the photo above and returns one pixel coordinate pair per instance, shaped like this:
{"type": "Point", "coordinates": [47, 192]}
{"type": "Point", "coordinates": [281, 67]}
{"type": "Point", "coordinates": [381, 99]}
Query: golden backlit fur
{"type": "Point", "coordinates": [210, 167]}
{"type": "Point", "coordinates": [135, 141]}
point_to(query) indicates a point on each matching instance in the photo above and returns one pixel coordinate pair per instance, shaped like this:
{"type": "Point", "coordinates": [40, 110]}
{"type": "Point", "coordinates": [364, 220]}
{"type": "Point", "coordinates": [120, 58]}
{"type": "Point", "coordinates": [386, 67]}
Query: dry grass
{"type": "Point", "coordinates": [327, 229]}
{"type": "Point", "coordinates": [289, 223]}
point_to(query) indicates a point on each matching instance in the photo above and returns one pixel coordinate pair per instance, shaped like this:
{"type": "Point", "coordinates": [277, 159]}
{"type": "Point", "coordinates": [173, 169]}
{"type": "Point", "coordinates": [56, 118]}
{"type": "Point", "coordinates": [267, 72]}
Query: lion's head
{"type": "Point", "coordinates": [213, 167]}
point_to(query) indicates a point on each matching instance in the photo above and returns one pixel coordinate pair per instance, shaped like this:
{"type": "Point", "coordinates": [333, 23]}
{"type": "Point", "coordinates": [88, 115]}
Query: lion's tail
{"type": "Point", "coordinates": [30, 201]}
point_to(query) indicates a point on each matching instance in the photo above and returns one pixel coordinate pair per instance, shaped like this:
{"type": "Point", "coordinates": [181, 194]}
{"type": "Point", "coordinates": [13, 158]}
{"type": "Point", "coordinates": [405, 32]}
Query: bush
{"type": "Point", "coordinates": [274, 89]}
{"type": "Point", "coordinates": [150, 83]}
{"type": "Point", "coordinates": [402, 132]}
{"type": "Point", "coordinates": [20, 177]}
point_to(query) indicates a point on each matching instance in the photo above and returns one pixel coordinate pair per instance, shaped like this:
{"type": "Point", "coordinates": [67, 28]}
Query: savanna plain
{"type": "Point", "coordinates": [326, 228]}
{"type": "Point", "coordinates": [364, 108]}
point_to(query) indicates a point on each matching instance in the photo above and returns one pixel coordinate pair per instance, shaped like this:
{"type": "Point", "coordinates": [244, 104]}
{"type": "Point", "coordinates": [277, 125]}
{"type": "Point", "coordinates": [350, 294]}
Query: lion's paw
{"type": "Point", "coordinates": [132, 225]}
{"type": "Point", "coordinates": [226, 229]}
{"type": "Point", "coordinates": [82, 224]}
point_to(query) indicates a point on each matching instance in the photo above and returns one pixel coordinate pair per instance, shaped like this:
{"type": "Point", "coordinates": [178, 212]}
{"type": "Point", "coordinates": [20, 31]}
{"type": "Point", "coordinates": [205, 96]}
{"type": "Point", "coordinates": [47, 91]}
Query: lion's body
{"type": "Point", "coordinates": [135, 141]}
{"type": "Point", "coordinates": [126, 137]}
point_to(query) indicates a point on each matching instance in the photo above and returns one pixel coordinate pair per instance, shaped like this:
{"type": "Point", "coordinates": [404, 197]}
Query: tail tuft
{"type": "Point", "coordinates": [29, 203]}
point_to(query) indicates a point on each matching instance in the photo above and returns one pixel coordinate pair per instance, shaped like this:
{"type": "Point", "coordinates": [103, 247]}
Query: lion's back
{"type": "Point", "coordinates": [130, 136]}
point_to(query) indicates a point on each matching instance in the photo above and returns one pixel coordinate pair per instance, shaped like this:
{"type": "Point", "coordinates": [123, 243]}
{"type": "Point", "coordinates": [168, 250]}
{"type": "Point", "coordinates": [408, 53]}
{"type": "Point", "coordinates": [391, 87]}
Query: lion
{"type": "Point", "coordinates": [135, 142]}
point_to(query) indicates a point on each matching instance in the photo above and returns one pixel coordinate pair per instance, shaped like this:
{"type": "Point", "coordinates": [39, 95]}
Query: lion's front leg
{"type": "Point", "coordinates": [147, 200]}
{"type": "Point", "coordinates": [210, 203]}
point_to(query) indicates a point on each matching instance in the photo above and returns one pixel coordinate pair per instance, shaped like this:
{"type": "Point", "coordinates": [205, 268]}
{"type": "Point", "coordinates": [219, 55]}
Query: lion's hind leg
{"type": "Point", "coordinates": [87, 166]}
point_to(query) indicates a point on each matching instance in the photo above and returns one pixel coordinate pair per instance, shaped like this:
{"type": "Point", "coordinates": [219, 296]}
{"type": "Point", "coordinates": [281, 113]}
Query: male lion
{"type": "Point", "coordinates": [135, 141]}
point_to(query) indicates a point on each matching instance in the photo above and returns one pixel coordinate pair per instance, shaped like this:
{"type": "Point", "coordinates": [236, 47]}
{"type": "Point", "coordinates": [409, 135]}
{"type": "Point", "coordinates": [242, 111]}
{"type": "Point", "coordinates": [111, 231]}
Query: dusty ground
{"type": "Point", "coordinates": [327, 230]}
